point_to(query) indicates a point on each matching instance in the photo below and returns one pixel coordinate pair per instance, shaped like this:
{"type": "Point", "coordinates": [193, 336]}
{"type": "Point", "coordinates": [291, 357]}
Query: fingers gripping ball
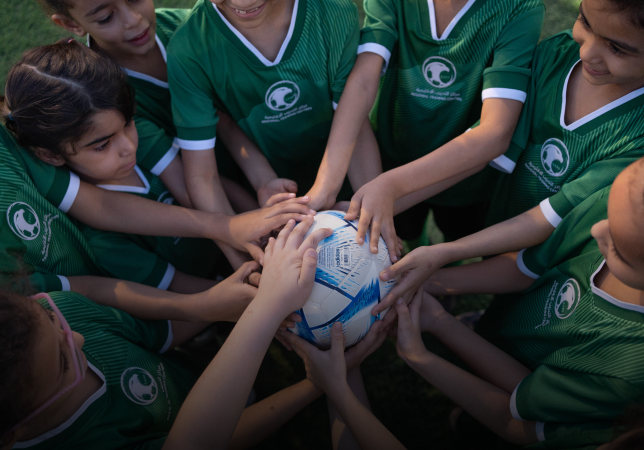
{"type": "Point", "coordinates": [346, 285]}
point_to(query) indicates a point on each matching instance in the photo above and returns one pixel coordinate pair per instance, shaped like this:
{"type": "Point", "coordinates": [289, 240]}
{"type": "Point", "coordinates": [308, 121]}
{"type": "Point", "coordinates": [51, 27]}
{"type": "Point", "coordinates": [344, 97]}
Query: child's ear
{"type": "Point", "coordinates": [69, 24]}
{"type": "Point", "coordinates": [49, 157]}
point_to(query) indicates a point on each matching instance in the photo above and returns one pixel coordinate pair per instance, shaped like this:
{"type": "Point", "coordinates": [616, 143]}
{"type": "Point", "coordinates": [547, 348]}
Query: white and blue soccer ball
{"type": "Point", "coordinates": [347, 284]}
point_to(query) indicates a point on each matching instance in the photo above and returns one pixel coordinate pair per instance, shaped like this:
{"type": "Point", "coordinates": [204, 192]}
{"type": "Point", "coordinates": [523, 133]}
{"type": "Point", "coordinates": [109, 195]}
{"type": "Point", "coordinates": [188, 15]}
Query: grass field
{"type": "Point", "coordinates": [411, 408]}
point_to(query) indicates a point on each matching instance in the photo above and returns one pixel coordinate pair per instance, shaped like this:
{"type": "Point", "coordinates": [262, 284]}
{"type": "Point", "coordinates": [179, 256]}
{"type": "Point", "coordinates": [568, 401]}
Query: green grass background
{"type": "Point", "coordinates": [411, 408]}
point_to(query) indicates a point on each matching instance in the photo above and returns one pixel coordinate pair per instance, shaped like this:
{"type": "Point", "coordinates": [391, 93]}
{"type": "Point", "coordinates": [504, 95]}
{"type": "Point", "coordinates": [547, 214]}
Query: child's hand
{"type": "Point", "coordinates": [416, 267]}
{"type": "Point", "coordinates": [275, 190]}
{"type": "Point", "coordinates": [409, 343]}
{"type": "Point", "coordinates": [432, 316]}
{"type": "Point", "coordinates": [246, 230]}
{"type": "Point", "coordinates": [328, 369]}
{"type": "Point", "coordinates": [321, 199]}
{"type": "Point", "coordinates": [229, 299]}
{"type": "Point", "coordinates": [374, 204]}
{"type": "Point", "coordinates": [290, 262]}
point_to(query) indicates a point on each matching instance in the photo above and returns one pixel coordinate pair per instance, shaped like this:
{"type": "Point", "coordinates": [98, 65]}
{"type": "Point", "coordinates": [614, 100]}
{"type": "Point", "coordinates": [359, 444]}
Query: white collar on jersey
{"type": "Point", "coordinates": [593, 115]}
{"type": "Point", "coordinates": [130, 189]}
{"type": "Point", "coordinates": [610, 298]}
{"type": "Point", "coordinates": [452, 24]}
{"type": "Point", "coordinates": [142, 76]}
{"type": "Point", "coordinates": [56, 431]}
{"type": "Point", "coordinates": [252, 48]}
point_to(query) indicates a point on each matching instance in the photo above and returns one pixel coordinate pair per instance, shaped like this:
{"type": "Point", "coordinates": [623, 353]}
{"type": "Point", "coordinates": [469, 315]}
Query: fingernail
{"type": "Point", "coordinates": [302, 216]}
{"type": "Point", "coordinates": [290, 325]}
{"type": "Point", "coordinates": [291, 195]}
{"type": "Point", "coordinates": [399, 301]}
{"type": "Point", "coordinates": [306, 197]}
{"type": "Point", "coordinates": [311, 212]}
{"type": "Point", "coordinates": [394, 259]}
{"type": "Point", "coordinates": [261, 261]}
{"type": "Point", "coordinates": [360, 241]}
{"type": "Point", "coordinates": [311, 252]}
{"type": "Point", "coordinates": [384, 276]}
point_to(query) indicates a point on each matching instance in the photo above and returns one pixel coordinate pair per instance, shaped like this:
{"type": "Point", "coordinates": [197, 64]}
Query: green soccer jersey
{"type": "Point", "coordinates": [285, 106]}
{"type": "Point", "coordinates": [562, 164]}
{"type": "Point", "coordinates": [157, 145]}
{"type": "Point", "coordinates": [142, 391]}
{"type": "Point", "coordinates": [583, 345]}
{"type": "Point", "coordinates": [36, 235]}
{"type": "Point", "coordinates": [433, 87]}
{"type": "Point", "coordinates": [150, 260]}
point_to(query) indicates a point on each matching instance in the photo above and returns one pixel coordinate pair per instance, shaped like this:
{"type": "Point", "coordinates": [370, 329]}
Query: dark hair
{"type": "Point", "coordinates": [629, 430]}
{"type": "Point", "coordinates": [635, 8]}
{"type": "Point", "coordinates": [53, 92]}
{"type": "Point", "coordinates": [17, 339]}
{"type": "Point", "coordinates": [55, 6]}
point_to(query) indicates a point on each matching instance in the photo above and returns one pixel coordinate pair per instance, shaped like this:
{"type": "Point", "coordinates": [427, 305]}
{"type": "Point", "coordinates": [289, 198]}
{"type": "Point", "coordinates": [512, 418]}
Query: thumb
{"type": "Point", "coordinates": [290, 186]}
{"type": "Point", "coordinates": [354, 208]}
{"type": "Point", "coordinates": [246, 270]}
{"type": "Point", "coordinates": [255, 252]}
{"type": "Point", "coordinates": [309, 265]}
{"type": "Point", "coordinates": [337, 341]}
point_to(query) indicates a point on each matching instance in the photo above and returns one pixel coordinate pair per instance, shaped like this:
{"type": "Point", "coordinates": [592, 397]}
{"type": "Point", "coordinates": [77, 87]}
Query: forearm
{"type": "Point", "coordinates": [126, 213]}
{"type": "Point", "coordinates": [488, 404]}
{"type": "Point", "coordinates": [173, 178]}
{"type": "Point", "coordinates": [341, 437]}
{"type": "Point", "coordinates": [262, 419]}
{"type": "Point", "coordinates": [525, 230]}
{"type": "Point", "coordinates": [245, 153]}
{"type": "Point", "coordinates": [220, 394]}
{"type": "Point", "coordinates": [365, 164]}
{"type": "Point", "coordinates": [138, 300]}
{"type": "Point", "coordinates": [365, 427]}
{"type": "Point", "coordinates": [203, 183]}
{"type": "Point", "coordinates": [183, 283]}
{"type": "Point", "coordinates": [498, 275]}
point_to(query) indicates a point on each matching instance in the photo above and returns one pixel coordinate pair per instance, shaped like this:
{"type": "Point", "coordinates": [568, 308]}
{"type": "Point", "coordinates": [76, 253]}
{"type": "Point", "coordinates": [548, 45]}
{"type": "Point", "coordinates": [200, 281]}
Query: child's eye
{"type": "Point", "coordinates": [102, 147]}
{"type": "Point", "coordinates": [615, 49]}
{"type": "Point", "coordinates": [106, 20]}
{"type": "Point", "coordinates": [582, 20]}
{"type": "Point", "coordinates": [65, 362]}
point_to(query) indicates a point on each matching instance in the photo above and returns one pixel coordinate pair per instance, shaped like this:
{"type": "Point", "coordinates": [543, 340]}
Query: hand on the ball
{"type": "Point", "coordinates": [247, 229]}
{"type": "Point", "coordinates": [409, 343]}
{"type": "Point", "coordinates": [289, 265]}
{"type": "Point", "coordinates": [230, 297]}
{"type": "Point", "coordinates": [321, 199]}
{"type": "Point", "coordinates": [415, 268]}
{"type": "Point", "coordinates": [275, 191]}
{"type": "Point", "coordinates": [328, 369]}
{"type": "Point", "coordinates": [374, 204]}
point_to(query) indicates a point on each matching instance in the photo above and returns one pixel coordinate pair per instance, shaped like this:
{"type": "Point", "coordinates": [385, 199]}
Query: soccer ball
{"type": "Point", "coordinates": [347, 284]}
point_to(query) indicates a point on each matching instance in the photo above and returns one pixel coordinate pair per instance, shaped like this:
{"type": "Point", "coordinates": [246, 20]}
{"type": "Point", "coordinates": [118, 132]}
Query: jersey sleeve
{"type": "Point", "coordinates": [509, 75]}
{"type": "Point", "coordinates": [156, 148]}
{"type": "Point", "coordinates": [341, 62]}
{"type": "Point", "coordinates": [380, 32]}
{"type": "Point", "coordinates": [193, 110]}
{"type": "Point", "coordinates": [123, 259]}
{"type": "Point", "coordinates": [555, 395]}
{"type": "Point", "coordinates": [596, 177]}
{"type": "Point", "coordinates": [571, 436]}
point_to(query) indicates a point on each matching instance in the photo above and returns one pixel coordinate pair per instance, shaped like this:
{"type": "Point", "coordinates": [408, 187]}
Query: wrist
{"type": "Point", "coordinates": [262, 183]}
{"type": "Point", "coordinates": [417, 357]}
{"type": "Point", "coordinates": [338, 392]}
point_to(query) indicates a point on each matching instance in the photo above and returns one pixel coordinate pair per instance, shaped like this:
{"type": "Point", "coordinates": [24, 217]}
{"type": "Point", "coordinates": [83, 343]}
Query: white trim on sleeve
{"type": "Point", "coordinates": [523, 268]}
{"type": "Point", "coordinates": [66, 287]}
{"type": "Point", "coordinates": [503, 164]}
{"type": "Point", "coordinates": [72, 192]}
{"type": "Point", "coordinates": [164, 162]}
{"type": "Point", "coordinates": [511, 94]}
{"type": "Point", "coordinates": [206, 144]}
{"type": "Point", "coordinates": [168, 341]}
{"type": "Point", "coordinates": [540, 428]}
{"type": "Point", "coordinates": [378, 49]}
{"type": "Point", "coordinates": [550, 213]}
{"type": "Point", "coordinates": [513, 404]}
{"type": "Point", "coordinates": [335, 105]}
{"type": "Point", "coordinates": [167, 278]}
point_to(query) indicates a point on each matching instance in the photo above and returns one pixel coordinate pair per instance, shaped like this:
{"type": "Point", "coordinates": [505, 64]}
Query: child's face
{"type": "Point", "coordinates": [246, 13]}
{"type": "Point", "coordinates": [119, 27]}
{"type": "Point", "coordinates": [107, 152]}
{"type": "Point", "coordinates": [612, 47]}
{"type": "Point", "coordinates": [621, 236]}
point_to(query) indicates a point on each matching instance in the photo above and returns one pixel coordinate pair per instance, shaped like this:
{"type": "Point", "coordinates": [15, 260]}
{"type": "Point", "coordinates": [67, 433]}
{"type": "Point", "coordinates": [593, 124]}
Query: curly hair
{"type": "Point", "coordinates": [53, 92]}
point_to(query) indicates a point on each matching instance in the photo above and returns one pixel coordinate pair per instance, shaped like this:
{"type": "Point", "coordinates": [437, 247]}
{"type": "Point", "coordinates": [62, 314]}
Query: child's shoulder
{"type": "Point", "coordinates": [554, 51]}
{"type": "Point", "coordinates": [560, 42]}
{"type": "Point", "coordinates": [193, 23]}
{"type": "Point", "coordinates": [169, 19]}
{"type": "Point", "coordinates": [334, 11]}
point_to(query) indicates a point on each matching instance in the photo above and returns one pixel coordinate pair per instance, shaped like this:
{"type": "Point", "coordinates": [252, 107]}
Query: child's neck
{"type": "Point", "coordinates": [445, 11]}
{"type": "Point", "coordinates": [151, 64]}
{"type": "Point", "coordinates": [608, 283]}
{"type": "Point", "coordinates": [583, 98]}
{"type": "Point", "coordinates": [132, 179]}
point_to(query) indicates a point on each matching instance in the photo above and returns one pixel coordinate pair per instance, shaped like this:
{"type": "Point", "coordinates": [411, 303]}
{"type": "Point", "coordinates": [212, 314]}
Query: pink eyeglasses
{"type": "Point", "coordinates": [76, 357]}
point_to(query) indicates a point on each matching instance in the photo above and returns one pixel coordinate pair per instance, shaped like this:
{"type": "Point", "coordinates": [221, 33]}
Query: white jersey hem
{"type": "Point", "coordinates": [72, 192]}
{"type": "Point", "coordinates": [549, 212]}
{"type": "Point", "coordinates": [523, 268]}
{"type": "Point", "coordinates": [206, 144]}
{"type": "Point", "coordinates": [513, 404]}
{"type": "Point", "coordinates": [164, 162]}
{"type": "Point", "coordinates": [169, 340]}
{"type": "Point", "coordinates": [510, 94]}
{"type": "Point", "coordinates": [167, 278]}
{"type": "Point", "coordinates": [540, 428]}
{"type": "Point", "coordinates": [503, 164]}
{"type": "Point", "coordinates": [65, 286]}
{"type": "Point", "coordinates": [372, 47]}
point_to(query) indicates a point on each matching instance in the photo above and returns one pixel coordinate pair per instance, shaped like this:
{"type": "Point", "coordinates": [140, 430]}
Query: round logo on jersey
{"type": "Point", "coordinates": [439, 72]}
{"type": "Point", "coordinates": [166, 198]}
{"type": "Point", "coordinates": [23, 221]}
{"type": "Point", "coordinates": [282, 95]}
{"type": "Point", "coordinates": [567, 299]}
{"type": "Point", "coordinates": [139, 386]}
{"type": "Point", "coordinates": [555, 157]}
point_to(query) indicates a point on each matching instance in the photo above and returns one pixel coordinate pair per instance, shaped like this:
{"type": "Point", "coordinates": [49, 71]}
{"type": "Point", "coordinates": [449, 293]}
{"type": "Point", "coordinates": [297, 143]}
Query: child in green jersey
{"type": "Point", "coordinates": [581, 126]}
{"type": "Point", "coordinates": [85, 376]}
{"type": "Point", "coordinates": [277, 68]}
{"type": "Point", "coordinates": [446, 80]}
{"type": "Point", "coordinates": [564, 352]}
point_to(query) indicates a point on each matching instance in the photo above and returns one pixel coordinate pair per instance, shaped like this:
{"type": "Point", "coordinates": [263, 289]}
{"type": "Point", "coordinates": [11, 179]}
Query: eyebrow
{"type": "Point", "coordinates": [96, 141]}
{"type": "Point", "coordinates": [97, 9]}
{"type": "Point", "coordinates": [60, 354]}
{"type": "Point", "coordinates": [622, 45]}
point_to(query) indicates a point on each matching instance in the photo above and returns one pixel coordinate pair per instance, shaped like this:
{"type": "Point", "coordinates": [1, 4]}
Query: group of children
{"type": "Point", "coordinates": [136, 167]}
